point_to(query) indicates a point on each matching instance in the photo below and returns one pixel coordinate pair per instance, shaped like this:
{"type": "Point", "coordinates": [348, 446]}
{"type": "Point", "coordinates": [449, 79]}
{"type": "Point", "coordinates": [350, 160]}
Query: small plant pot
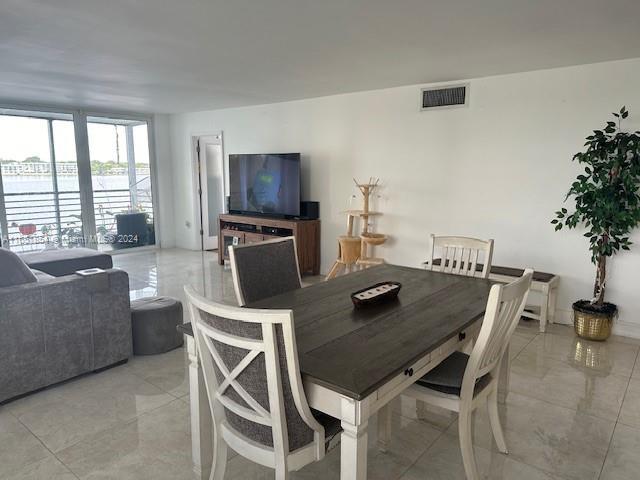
{"type": "Point", "coordinates": [593, 322]}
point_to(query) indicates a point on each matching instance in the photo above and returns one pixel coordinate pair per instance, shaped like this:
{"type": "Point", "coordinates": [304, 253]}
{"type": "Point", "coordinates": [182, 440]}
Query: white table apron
{"type": "Point", "coordinates": [353, 414]}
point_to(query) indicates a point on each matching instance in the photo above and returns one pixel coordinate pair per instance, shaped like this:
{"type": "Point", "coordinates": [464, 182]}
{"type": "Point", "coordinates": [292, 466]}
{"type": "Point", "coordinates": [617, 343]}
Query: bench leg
{"type": "Point", "coordinates": [553, 299]}
{"type": "Point", "coordinates": [544, 309]}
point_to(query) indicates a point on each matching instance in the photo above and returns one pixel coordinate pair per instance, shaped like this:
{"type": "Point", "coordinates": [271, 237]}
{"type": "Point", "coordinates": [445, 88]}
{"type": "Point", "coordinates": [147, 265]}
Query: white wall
{"type": "Point", "coordinates": [164, 180]}
{"type": "Point", "coordinates": [498, 168]}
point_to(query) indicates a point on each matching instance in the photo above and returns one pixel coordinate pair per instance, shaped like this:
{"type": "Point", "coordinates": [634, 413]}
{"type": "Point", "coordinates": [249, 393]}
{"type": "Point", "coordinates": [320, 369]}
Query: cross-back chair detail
{"type": "Point", "coordinates": [264, 269]}
{"type": "Point", "coordinates": [461, 255]}
{"type": "Point", "coordinates": [252, 377]}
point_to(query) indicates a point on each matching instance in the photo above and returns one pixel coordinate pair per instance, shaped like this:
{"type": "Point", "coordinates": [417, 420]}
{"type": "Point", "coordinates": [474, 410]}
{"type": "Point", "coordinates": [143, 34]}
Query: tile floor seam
{"type": "Point", "coordinates": [507, 455]}
{"type": "Point", "coordinates": [120, 424]}
{"type": "Point", "coordinates": [563, 406]}
{"type": "Point", "coordinates": [524, 346]}
{"type": "Point", "coordinates": [53, 454]}
{"type": "Point", "coordinates": [442, 433]}
{"type": "Point", "coordinates": [604, 461]}
{"type": "Point", "coordinates": [158, 386]}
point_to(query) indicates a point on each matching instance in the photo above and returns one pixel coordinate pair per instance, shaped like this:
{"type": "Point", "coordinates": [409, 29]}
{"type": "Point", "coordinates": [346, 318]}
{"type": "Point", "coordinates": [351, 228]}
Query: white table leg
{"type": "Point", "coordinates": [544, 308]}
{"type": "Point", "coordinates": [384, 428]}
{"type": "Point", "coordinates": [353, 451]}
{"type": "Point", "coordinates": [201, 422]}
{"type": "Point", "coordinates": [503, 381]}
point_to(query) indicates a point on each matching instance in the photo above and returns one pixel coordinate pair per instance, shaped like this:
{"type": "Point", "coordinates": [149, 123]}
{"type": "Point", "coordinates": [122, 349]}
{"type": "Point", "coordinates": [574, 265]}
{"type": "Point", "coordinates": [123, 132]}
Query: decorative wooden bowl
{"type": "Point", "coordinates": [373, 238]}
{"type": "Point", "coordinates": [376, 294]}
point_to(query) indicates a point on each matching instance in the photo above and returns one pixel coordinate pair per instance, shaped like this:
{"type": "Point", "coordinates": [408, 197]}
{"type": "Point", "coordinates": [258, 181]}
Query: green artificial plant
{"type": "Point", "coordinates": [606, 196]}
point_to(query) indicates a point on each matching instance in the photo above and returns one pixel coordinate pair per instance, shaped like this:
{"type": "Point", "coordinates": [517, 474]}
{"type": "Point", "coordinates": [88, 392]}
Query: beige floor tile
{"type": "Point", "coordinates": [443, 461]}
{"type": "Point", "coordinates": [18, 446]}
{"type": "Point", "coordinates": [587, 390]}
{"type": "Point", "coordinates": [518, 343]}
{"type": "Point", "coordinates": [623, 461]}
{"type": "Point", "coordinates": [604, 357]}
{"type": "Point", "coordinates": [48, 469]}
{"type": "Point", "coordinates": [530, 328]}
{"type": "Point", "coordinates": [554, 439]}
{"type": "Point", "coordinates": [436, 417]}
{"type": "Point", "coordinates": [167, 371]}
{"type": "Point", "coordinates": [67, 414]}
{"type": "Point", "coordinates": [630, 413]}
{"type": "Point", "coordinates": [156, 445]}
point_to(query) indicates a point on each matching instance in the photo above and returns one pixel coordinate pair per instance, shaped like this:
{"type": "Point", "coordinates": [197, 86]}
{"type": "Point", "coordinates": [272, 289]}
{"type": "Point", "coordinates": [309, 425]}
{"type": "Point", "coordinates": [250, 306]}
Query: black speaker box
{"type": "Point", "coordinates": [310, 210]}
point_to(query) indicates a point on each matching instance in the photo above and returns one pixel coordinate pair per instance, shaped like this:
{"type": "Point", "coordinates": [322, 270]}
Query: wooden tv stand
{"type": "Point", "coordinates": [242, 229]}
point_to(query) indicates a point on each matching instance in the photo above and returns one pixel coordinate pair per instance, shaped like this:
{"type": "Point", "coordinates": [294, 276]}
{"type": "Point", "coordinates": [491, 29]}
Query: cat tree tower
{"type": "Point", "coordinates": [354, 250]}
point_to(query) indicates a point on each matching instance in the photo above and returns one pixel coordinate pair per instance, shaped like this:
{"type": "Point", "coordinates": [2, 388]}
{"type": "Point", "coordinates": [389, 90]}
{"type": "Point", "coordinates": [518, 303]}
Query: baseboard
{"type": "Point", "coordinates": [563, 317]}
{"type": "Point", "coordinates": [626, 329]}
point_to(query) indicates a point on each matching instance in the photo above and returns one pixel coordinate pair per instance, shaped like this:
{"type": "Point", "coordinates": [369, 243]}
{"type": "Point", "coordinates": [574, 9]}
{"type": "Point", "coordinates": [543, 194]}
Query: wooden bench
{"type": "Point", "coordinates": [544, 283]}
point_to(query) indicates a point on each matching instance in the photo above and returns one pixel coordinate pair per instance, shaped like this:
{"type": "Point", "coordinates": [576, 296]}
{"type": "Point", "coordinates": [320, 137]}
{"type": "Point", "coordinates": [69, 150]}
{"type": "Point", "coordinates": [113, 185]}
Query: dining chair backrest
{"type": "Point", "coordinates": [265, 269]}
{"type": "Point", "coordinates": [504, 308]}
{"type": "Point", "coordinates": [461, 255]}
{"type": "Point", "coordinates": [250, 363]}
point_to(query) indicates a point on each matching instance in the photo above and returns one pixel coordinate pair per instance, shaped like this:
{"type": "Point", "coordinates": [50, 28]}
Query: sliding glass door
{"type": "Point", "coordinates": [121, 180]}
{"type": "Point", "coordinates": [40, 187]}
{"type": "Point", "coordinates": [47, 185]}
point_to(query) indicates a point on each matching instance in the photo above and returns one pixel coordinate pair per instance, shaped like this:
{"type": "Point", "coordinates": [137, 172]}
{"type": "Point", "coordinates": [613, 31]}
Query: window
{"type": "Point", "coordinates": [41, 195]}
{"type": "Point", "coordinates": [121, 181]}
{"type": "Point", "coordinates": [47, 198]}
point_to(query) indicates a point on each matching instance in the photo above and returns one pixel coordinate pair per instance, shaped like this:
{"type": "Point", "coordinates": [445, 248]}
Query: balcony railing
{"type": "Point", "coordinates": [36, 219]}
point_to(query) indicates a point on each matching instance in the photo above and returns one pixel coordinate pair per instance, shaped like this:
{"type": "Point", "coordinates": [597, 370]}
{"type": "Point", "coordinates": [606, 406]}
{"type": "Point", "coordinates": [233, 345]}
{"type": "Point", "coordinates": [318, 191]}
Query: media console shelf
{"type": "Point", "coordinates": [241, 229]}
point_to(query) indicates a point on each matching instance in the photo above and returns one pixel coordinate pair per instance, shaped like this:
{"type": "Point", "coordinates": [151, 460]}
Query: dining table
{"type": "Point", "coordinates": [355, 360]}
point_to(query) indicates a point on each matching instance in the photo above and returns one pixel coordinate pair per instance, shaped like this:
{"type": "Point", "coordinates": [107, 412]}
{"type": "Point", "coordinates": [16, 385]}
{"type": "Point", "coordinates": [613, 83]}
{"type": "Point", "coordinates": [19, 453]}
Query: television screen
{"type": "Point", "coordinates": [265, 183]}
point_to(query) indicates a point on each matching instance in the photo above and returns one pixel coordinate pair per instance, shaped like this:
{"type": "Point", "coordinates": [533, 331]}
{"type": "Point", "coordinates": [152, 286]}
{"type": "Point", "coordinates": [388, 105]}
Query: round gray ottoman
{"type": "Point", "coordinates": [153, 324]}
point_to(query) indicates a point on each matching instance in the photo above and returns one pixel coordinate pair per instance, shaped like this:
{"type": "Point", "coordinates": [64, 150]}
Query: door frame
{"type": "Point", "coordinates": [201, 190]}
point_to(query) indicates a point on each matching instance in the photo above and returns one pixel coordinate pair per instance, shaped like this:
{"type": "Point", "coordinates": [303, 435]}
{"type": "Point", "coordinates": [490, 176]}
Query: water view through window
{"type": "Point", "coordinates": [40, 204]}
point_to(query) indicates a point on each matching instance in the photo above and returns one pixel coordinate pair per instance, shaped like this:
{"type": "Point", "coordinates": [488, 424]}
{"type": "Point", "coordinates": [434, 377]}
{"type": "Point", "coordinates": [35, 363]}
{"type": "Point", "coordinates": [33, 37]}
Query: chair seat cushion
{"type": "Point", "coordinates": [331, 425]}
{"type": "Point", "coordinates": [447, 377]}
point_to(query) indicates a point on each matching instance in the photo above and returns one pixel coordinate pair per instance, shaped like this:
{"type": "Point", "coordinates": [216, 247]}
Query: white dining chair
{"type": "Point", "coordinates": [264, 269]}
{"type": "Point", "coordinates": [461, 256]}
{"type": "Point", "coordinates": [252, 376]}
{"type": "Point", "coordinates": [461, 383]}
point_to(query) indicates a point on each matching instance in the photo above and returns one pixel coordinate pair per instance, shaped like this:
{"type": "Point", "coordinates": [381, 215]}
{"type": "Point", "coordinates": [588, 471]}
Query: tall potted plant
{"type": "Point", "coordinates": [607, 204]}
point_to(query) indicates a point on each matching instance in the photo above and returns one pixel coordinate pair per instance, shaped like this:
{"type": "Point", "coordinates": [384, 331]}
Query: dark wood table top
{"type": "Point", "coordinates": [355, 351]}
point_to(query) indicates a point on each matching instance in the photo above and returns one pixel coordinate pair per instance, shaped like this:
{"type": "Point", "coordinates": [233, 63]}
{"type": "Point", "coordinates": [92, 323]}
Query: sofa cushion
{"type": "Point", "coordinates": [14, 270]}
{"type": "Point", "coordinates": [66, 261]}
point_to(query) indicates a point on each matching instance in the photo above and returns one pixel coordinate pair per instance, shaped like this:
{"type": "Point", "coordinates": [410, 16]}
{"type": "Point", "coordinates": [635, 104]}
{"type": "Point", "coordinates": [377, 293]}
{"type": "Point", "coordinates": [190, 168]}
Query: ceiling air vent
{"type": "Point", "coordinates": [445, 97]}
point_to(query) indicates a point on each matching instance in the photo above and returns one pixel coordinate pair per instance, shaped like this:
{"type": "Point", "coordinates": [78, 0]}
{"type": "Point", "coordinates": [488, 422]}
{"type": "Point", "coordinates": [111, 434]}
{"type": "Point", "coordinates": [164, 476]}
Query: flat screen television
{"type": "Point", "coordinates": [265, 184]}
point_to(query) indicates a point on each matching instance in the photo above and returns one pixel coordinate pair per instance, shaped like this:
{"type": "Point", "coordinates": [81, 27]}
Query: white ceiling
{"type": "Point", "coordinates": [184, 55]}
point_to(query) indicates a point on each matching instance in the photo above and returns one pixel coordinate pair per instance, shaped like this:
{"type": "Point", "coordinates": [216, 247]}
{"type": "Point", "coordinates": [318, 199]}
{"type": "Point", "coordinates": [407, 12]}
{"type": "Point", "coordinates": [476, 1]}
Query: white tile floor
{"type": "Point", "coordinates": [573, 411]}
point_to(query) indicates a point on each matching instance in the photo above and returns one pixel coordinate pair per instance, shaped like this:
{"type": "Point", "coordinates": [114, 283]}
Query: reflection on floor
{"type": "Point", "coordinates": [573, 411]}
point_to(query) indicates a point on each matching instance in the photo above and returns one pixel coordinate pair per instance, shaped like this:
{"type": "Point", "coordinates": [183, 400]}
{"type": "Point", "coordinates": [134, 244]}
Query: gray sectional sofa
{"type": "Point", "coordinates": [55, 328]}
